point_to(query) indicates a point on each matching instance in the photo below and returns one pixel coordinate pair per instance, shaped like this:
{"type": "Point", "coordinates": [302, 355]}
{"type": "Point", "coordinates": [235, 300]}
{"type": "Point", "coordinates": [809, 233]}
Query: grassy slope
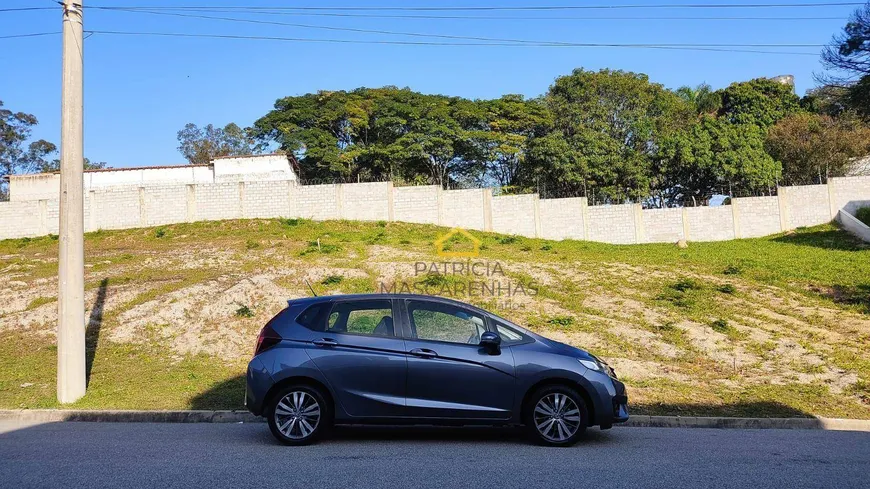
{"type": "Point", "coordinates": [772, 326]}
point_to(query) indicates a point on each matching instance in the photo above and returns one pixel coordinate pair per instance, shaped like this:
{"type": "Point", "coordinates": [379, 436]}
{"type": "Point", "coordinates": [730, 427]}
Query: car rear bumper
{"type": "Point", "coordinates": [257, 385]}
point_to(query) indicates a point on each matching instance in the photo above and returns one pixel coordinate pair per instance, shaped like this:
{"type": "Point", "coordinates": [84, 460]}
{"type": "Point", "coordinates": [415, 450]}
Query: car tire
{"type": "Point", "coordinates": [556, 415]}
{"type": "Point", "coordinates": [299, 415]}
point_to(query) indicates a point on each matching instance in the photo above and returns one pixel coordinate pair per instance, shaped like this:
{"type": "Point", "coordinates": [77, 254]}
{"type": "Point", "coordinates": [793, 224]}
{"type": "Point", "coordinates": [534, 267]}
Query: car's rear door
{"type": "Point", "coordinates": [449, 374]}
{"type": "Point", "coordinates": [358, 348]}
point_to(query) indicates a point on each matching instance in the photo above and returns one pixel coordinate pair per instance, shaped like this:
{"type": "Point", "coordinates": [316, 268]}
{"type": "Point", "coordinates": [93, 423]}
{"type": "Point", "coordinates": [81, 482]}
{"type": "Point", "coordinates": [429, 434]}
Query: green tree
{"type": "Point", "coordinates": [376, 134]}
{"type": "Point", "coordinates": [703, 99]}
{"type": "Point", "coordinates": [15, 155]}
{"type": "Point", "coordinates": [812, 147]}
{"type": "Point", "coordinates": [713, 156]}
{"type": "Point", "coordinates": [201, 145]}
{"type": "Point", "coordinates": [611, 122]}
{"type": "Point", "coordinates": [54, 165]}
{"type": "Point", "coordinates": [499, 142]}
{"type": "Point", "coordinates": [761, 102]}
{"type": "Point", "coordinates": [830, 100]}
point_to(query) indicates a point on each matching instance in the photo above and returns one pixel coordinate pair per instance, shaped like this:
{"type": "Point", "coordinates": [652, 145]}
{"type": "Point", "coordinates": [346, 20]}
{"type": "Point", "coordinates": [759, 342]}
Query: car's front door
{"type": "Point", "coordinates": [449, 374]}
{"type": "Point", "coordinates": [361, 354]}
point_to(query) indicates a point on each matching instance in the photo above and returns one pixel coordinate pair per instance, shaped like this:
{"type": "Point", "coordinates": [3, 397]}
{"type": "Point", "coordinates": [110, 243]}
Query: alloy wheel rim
{"type": "Point", "coordinates": [297, 415]}
{"type": "Point", "coordinates": [557, 417]}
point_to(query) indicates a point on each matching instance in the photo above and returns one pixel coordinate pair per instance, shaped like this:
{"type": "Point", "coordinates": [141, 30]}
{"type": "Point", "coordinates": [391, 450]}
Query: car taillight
{"type": "Point", "coordinates": [266, 339]}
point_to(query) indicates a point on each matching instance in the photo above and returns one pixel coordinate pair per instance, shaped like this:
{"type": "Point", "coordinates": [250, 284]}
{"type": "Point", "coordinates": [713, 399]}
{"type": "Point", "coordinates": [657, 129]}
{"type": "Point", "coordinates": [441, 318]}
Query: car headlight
{"type": "Point", "coordinates": [590, 364]}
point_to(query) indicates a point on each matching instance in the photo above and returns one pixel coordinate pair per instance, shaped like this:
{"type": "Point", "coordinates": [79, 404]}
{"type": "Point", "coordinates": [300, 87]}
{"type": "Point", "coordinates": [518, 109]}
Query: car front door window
{"type": "Point", "coordinates": [442, 322]}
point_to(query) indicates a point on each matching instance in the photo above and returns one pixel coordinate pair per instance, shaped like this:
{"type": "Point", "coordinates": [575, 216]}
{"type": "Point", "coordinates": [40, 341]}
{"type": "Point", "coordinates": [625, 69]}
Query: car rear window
{"type": "Point", "coordinates": [312, 317]}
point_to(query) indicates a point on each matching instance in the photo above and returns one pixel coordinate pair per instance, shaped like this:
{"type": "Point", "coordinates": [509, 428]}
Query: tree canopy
{"type": "Point", "coordinates": [201, 145]}
{"type": "Point", "coordinates": [612, 135]}
{"type": "Point", "coordinates": [18, 156]}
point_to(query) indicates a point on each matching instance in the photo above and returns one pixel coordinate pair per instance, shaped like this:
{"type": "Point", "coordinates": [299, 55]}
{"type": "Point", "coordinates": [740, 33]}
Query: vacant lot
{"type": "Point", "coordinates": [778, 326]}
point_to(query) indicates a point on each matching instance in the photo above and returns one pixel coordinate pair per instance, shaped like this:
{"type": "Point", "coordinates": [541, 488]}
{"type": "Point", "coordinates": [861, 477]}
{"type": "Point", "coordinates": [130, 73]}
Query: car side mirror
{"type": "Point", "coordinates": [491, 342]}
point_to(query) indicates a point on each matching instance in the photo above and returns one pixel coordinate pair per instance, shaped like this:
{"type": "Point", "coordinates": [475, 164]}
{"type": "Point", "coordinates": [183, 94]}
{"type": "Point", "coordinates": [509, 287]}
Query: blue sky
{"type": "Point", "coordinates": [139, 91]}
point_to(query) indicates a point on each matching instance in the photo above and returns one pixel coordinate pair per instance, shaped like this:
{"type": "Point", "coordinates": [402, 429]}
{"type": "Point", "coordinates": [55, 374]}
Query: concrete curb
{"type": "Point", "coordinates": [817, 423]}
{"type": "Point", "coordinates": [54, 415]}
{"type": "Point", "coordinates": [644, 421]}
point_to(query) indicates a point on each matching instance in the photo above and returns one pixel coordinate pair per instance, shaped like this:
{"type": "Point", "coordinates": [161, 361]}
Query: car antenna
{"type": "Point", "coordinates": [310, 287]}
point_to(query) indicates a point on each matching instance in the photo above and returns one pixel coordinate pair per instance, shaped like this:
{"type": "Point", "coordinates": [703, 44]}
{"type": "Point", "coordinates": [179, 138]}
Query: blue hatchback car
{"type": "Point", "coordinates": [398, 358]}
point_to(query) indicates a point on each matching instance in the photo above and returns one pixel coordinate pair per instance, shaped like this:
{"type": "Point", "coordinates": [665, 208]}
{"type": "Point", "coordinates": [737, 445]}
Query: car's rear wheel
{"type": "Point", "coordinates": [556, 416]}
{"type": "Point", "coordinates": [299, 415]}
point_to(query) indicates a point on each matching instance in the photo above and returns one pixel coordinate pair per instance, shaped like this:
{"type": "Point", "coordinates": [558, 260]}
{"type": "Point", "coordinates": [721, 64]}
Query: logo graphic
{"type": "Point", "coordinates": [444, 244]}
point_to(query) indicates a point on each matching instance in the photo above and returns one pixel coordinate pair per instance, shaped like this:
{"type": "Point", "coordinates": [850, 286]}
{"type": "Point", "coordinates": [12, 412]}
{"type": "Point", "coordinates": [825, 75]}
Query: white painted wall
{"type": "Point", "coordinates": [237, 169]}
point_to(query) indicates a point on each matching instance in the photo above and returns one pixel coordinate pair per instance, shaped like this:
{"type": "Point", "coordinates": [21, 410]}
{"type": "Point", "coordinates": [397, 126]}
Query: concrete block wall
{"type": "Point", "coordinates": [416, 204]}
{"type": "Point", "coordinates": [22, 219]}
{"type": "Point", "coordinates": [762, 219]}
{"type": "Point", "coordinates": [515, 214]}
{"type": "Point", "coordinates": [366, 201]}
{"type": "Point", "coordinates": [709, 223]}
{"type": "Point", "coordinates": [663, 225]}
{"type": "Point", "coordinates": [807, 205]}
{"type": "Point", "coordinates": [525, 215]}
{"type": "Point", "coordinates": [563, 218]}
{"type": "Point", "coordinates": [464, 208]}
{"type": "Point", "coordinates": [156, 212]}
{"type": "Point", "coordinates": [217, 201]}
{"type": "Point", "coordinates": [612, 224]}
{"type": "Point", "coordinates": [849, 193]}
{"type": "Point", "coordinates": [113, 208]}
{"type": "Point", "coordinates": [266, 199]}
{"type": "Point", "coordinates": [318, 202]}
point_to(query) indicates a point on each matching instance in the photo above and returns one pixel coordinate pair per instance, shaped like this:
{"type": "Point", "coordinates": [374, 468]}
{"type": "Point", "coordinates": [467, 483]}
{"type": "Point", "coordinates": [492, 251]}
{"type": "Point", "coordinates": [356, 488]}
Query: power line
{"type": "Point", "coordinates": [467, 17]}
{"type": "Point", "coordinates": [29, 35]}
{"type": "Point", "coordinates": [439, 36]}
{"type": "Point", "coordinates": [668, 46]}
{"type": "Point", "coordinates": [25, 9]}
{"type": "Point", "coordinates": [510, 8]}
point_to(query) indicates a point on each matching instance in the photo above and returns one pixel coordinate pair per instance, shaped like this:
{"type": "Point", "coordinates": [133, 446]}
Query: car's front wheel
{"type": "Point", "coordinates": [556, 415]}
{"type": "Point", "coordinates": [299, 415]}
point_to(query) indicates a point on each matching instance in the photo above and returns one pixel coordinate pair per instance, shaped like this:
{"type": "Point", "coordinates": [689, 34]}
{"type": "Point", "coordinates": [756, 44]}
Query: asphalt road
{"type": "Point", "coordinates": [132, 455]}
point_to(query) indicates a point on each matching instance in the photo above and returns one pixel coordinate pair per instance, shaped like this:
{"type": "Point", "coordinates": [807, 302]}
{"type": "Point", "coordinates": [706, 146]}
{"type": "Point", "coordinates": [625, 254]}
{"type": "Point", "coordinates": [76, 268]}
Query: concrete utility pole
{"type": "Point", "coordinates": [71, 259]}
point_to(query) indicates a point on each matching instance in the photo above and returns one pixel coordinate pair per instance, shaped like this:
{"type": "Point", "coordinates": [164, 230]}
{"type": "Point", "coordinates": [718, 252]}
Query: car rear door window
{"type": "Point", "coordinates": [370, 317]}
{"type": "Point", "coordinates": [435, 321]}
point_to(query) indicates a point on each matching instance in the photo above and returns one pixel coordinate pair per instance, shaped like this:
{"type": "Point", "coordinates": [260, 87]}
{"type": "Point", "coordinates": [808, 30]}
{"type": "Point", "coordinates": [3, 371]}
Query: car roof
{"type": "Point", "coordinates": [329, 298]}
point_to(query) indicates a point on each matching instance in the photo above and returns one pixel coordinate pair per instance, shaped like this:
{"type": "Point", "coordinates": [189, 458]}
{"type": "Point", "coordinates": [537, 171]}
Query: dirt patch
{"type": "Point", "coordinates": [206, 318]}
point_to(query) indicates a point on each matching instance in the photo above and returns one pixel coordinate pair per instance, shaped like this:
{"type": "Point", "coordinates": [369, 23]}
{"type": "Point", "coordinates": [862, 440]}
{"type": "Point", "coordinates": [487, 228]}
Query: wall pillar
{"type": "Point", "coordinates": [832, 200]}
{"type": "Point", "coordinates": [241, 200]}
{"type": "Point", "coordinates": [685, 223]}
{"type": "Point", "coordinates": [339, 204]}
{"type": "Point", "coordinates": [143, 209]}
{"type": "Point", "coordinates": [487, 209]}
{"type": "Point", "coordinates": [782, 200]}
{"type": "Point", "coordinates": [292, 210]}
{"type": "Point", "coordinates": [639, 230]}
{"type": "Point", "coordinates": [391, 205]}
{"type": "Point", "coordinates": [43, 217]}
{"type": "Point", "coordinates": [584, 214]}
{"type": "Point", "coordinates": [191, 203]}
{"type": "Point", "coordinates": [735, 217]}
{"type": "Point", "coordinates": [92, 209]}
{"type": "Point", "coordinates": [440, 203]}
{"type": "Point", "coordinates": [539, 226]}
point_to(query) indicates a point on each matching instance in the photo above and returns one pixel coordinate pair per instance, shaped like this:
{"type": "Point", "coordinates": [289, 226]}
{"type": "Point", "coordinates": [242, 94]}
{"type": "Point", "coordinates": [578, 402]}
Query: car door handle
{"type": "Point", "coordinates": [423, 352]}
{"type": "Point", "coordinates": [325, 342]}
